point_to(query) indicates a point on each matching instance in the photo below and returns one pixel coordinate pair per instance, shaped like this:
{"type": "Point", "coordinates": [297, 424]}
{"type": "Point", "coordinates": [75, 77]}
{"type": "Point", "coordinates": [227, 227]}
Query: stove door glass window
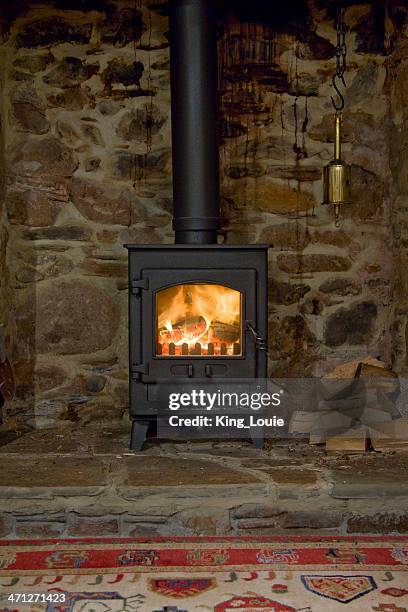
{"type": "Point", "coordinates": [198, 319]}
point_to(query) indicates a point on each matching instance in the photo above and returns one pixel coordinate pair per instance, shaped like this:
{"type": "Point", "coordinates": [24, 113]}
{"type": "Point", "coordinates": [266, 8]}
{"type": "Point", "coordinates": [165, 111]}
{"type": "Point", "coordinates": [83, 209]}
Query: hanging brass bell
{"type": "Point", "coordinates": [337, 175]}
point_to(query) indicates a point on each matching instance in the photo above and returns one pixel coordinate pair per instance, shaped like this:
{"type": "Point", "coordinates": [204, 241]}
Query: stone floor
{"type": "Point", "coordinates": [84, 482]}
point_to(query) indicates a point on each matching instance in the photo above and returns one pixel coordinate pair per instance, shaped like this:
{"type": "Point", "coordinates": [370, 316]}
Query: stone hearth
{"type": "Point", "coordinates": [85, 485]}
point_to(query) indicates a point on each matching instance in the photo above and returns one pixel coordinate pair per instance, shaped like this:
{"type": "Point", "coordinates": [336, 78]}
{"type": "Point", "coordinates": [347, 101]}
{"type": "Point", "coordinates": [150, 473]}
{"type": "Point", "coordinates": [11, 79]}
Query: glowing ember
{"type": "Point", "coordinates": [198, 319]}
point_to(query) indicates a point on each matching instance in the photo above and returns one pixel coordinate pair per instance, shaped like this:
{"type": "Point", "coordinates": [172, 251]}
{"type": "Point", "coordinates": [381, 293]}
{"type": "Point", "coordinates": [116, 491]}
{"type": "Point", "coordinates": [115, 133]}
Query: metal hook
{"type": "Point", "coordinates": [338, 107]}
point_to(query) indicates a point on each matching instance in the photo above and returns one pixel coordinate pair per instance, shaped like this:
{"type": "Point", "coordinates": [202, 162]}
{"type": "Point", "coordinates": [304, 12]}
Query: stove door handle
{"type": "Point", "coordinates": [190, 370]}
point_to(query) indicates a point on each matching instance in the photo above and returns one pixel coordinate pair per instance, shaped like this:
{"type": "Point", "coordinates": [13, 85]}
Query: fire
{"type": "Point", "coordinates": [200, 319]}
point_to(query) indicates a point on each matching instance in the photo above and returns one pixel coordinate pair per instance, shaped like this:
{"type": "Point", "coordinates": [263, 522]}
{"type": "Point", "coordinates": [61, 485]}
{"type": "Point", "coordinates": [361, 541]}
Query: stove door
{"type": "Point", "coordinates": [194, 327]}
{"type": "Point", "coordinates": [198, 319]}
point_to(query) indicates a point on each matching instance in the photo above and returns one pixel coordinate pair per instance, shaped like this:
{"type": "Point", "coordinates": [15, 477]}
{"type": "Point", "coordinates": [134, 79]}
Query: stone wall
{"type": "Point", "coordinates": [88, 150]}
{"type": "Point", "coordinates": [397, 89]}
{"type": "Point", "coordinates": [5, 291]}
{"type": "Point", "coordinates": [330, 289]}
{"type": "Point", "coordinates": [87, 135]}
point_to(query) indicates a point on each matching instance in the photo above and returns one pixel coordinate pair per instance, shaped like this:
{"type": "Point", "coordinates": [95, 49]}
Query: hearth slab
{"type": "Point", "coordinates": [52, 472]}
{"type": "Point", "coordinates": [192, 488]}
{"type": "Point", "coordinates": [173, 472]}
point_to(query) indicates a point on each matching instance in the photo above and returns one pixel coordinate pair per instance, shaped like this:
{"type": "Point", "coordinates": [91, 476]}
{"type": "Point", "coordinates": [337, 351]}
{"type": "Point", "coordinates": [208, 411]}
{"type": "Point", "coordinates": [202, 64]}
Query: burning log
{"type": "Point", "coordinates": [196, 337]}
{"type": "Point", "coordinates": [224, 331]}
{"type": "Point", "coordinates": [198, 312]}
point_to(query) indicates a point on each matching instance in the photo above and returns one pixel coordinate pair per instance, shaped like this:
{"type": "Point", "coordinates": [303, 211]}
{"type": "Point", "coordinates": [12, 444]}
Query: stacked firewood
{"type": "Point", "coordinates": [355, 409]}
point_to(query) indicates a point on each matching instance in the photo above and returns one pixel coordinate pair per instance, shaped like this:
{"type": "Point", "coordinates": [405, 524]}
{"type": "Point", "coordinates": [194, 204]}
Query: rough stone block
{"type": "Point", "coordinates": [340, 286]}
{"type": "Point", "coordinates": [76, 317]}
{"type": "Point", "coordinates": [103, 202]}
{"type": "Point", "coordinates": [354, 324]}
{"type": "Point", "coordinates": [121, 27]}
{"type": "Point", "coordinates": [119, 71]}
{"type": "Point", "coordinates": [39, 529]}
{"type": "Point", "coordinates": [52, 31]}
{"type": "Point", "coordinates": [293, 475]}
{"type": "Point", "coordinates": [70, 72]}
{"type": "Point", "coordinates": [312, 520]}
{"type": "Point", "coordinates": [139, 123]}
{"type": "Point", "coordinates": [369, 489]}
{"type": "Point", "coordinates": [292, 263]}
{"type": "Point", "coordinates": [272, 522]}
{"type": "Point", "coordinates": [255, 511]}
{"type": "Point", "coordinates": [72, 98]}
{"type": "Point", "coordinates": [47, 157]}
{"type": "Point", "coordinates": [141, 530]}
{"type": "Point", "coordinates": [6, 525]}
{"type": "Point", "coordinates": [286, 293]}
{"type": "Point", "coordinates": [263, 195]}
{"type": "Point", "coordinates": [51, 472]}
{"type": "Point", "coordinates": [383, 522]}
{"type": "Point", "coordinates": [32, 207]}
{"type": "Point", "coordinates": [174, 471]}
{"type": "Point", "coordinates": [34, 63]}
{"type": "Point", "coordinates": [291, 337]}
{"type": "Point", "coordinates": [61, 232]}
{"type": "Point", "coordinates": [85, 526]}
{"type": "Point", "coordinates": [286, 236]}
{"type": "Point", "coordinates": [29, 118]}
{"type": "Point", "coordinates": [202, 522]}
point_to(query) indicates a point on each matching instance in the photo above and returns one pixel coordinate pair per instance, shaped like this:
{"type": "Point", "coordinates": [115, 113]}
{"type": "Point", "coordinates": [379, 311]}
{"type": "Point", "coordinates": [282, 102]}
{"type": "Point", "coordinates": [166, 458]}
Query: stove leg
{"type": "Point", "coordinates": [139, 433]}
{"type": "Point", "coordinates": [257, 435]}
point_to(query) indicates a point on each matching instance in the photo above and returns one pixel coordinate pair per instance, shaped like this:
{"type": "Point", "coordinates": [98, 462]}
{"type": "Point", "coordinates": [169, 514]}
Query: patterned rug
{"type": "Point", "coordinates": [257, 574]}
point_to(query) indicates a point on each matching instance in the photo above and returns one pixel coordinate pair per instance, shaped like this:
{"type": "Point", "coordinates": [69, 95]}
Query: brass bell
{"type": "Point", "coordinates": [337, 175]}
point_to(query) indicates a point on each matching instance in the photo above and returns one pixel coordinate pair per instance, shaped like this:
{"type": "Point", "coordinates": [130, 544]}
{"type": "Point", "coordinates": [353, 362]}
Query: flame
{"type": "Point", "coordinates": [199, 313]}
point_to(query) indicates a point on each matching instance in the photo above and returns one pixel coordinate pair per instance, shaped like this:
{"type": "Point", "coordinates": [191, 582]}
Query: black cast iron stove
{"type": "Point", "coordinates": [193, 306]}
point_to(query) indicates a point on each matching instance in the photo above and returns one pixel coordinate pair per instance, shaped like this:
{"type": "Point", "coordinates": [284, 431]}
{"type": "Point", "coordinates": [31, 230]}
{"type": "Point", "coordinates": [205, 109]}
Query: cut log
{"type": "Point", "coordinates": [381, 379]}
{"type": "Point", "coordinates": [396, 429]}
{"type": "Point", "coordinates": [372, 416]}
{"type": "Point", "coordinates": [320, 437]}
{"type": "Point", "coordinates": [390, 435]}
{"type": "Point", "coordinates": [318, 423]}
{"type": "Point", "coordinates": [302, 422]}
{"type": "Point", "coordinates": [348, 370]}
{"type": "Point", "coordinates": [381, 446]}
{"type": "Point", "coordinates": [346, 404]}
{"type": "Point", "coordinates": [368, 370]}
{"type": "Point", "coordinates": [317, 438]}
{"type": "Point", "coordinates": [336, 389]}
{"type": "Point", "coordinates": [353, 441]}
{"type": "Point", "coordinates": [385, 403]}
{"type": "Point", "coordinates": [341, 382]}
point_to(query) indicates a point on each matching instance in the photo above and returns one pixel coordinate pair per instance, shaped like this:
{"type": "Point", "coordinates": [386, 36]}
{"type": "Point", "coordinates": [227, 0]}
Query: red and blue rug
{"type": "Point", "coordinates": [251, 574]}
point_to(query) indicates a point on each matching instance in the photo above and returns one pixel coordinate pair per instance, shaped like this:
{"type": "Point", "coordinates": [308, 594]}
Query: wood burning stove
{"type": "Point", "coordinates": [191, 310]}
{"type": "Point", "coordinates": [197, 310]}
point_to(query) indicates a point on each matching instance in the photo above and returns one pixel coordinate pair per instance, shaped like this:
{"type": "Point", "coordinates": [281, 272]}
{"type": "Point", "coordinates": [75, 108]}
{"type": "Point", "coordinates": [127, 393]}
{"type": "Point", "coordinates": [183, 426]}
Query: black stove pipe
{"type": "Point", "coordinates": [194, 104]}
